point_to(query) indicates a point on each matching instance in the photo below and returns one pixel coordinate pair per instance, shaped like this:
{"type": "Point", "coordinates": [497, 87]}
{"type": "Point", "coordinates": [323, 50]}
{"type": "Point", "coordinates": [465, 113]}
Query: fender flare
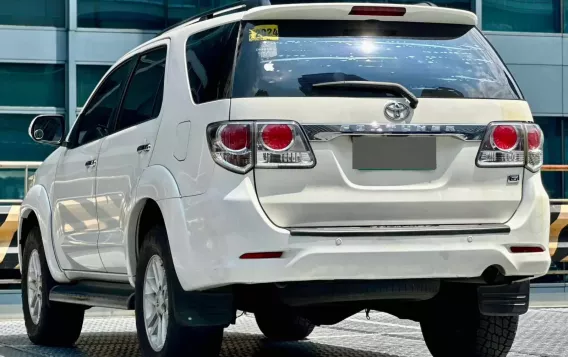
{"type": "Point", "coordinates": [37, 201]}
{"type": "Point", "coordinates": [155, 183]}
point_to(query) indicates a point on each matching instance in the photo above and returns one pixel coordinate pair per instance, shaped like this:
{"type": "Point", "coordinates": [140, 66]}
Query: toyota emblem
{"type": "Point", "coordinates": [397, 111]}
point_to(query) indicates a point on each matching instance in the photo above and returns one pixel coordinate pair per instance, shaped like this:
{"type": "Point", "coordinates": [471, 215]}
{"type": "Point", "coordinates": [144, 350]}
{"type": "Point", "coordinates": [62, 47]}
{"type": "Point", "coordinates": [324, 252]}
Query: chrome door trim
{"type": "Point", "coordinates": [327, 132]}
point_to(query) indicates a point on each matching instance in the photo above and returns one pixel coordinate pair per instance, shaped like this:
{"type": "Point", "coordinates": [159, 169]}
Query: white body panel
{"type": "Point", "coordinates": [75, 224]}
{"type": "Point", "coordinates": [120, 167]}
{"type": "Point", "coordinates": [213, 216]}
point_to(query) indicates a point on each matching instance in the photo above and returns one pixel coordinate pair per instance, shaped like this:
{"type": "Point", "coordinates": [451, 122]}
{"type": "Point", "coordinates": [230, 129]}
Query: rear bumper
{"type": "Point", "coordinates": [227, 222]}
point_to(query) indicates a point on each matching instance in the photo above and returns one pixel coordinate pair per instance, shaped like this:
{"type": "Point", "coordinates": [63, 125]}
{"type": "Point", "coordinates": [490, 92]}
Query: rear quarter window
{"type": "Point", "coordinates": [431, 60]}
{"type": "Point", "coordinates": [210, 57]}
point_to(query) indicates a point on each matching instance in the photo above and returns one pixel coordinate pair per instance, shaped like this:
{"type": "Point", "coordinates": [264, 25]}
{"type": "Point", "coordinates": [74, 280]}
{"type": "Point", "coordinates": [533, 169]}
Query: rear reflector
{"type": "Point", "coordinates": [527, 249]}
{"type": "Point", "coordinates": [262, 255]}
{"type": "Point", "coordinates": [377, 11]}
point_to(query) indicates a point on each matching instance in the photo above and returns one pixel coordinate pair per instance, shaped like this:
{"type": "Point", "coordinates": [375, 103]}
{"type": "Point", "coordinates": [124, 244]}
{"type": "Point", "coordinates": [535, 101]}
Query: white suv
{"type": "Point", "coordinates": [302, 162]}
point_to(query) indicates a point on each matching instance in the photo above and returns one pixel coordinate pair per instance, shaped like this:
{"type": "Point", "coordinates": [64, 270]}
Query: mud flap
{"type": "Point", "coordinates": [504, 300]}
{"type": "Point", "coordinates": [210, 308]}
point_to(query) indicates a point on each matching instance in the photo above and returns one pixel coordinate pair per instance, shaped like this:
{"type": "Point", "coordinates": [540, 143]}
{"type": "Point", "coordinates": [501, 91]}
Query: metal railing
{"type": "Point", "coordinates": [556, 168]}
{"type": "Point", "coordinates": [28, 179]}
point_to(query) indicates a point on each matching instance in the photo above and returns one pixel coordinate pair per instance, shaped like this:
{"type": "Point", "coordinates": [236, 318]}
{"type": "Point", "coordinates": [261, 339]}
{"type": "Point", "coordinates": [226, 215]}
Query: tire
{"type": "Point", "coordinates": [49, 323]}
{"type": "Point", "coordinates": [282, 324]}
{"type": "Point", "coordinates": [179, 340]}
{"type": "Point", "coordinates": [473, 335]}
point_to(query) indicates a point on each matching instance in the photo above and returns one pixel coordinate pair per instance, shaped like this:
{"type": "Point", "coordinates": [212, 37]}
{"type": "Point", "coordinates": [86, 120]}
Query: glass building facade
{"type": "Point", "coordinates": [55, 52]}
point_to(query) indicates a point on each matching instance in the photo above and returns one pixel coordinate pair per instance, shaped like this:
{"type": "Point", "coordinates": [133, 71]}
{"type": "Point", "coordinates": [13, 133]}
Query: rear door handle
{"type": "Point", "coordinates": [144, 148]}
{"type": "Point", "coordinates": [91, 163]}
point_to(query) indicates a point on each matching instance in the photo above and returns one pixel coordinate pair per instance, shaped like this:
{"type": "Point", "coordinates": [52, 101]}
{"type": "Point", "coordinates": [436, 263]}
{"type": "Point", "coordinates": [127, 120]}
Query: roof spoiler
{"type": "Point", "coordinates": [413, 13]}
{"type": "Point", "coordinates": [363, 11]}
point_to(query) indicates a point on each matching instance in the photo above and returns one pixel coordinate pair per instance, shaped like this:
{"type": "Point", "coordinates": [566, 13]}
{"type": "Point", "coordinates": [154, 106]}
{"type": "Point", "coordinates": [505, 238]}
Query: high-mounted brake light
{"type": "Point", "coordinates": [377, 11]}
{"type": "Point", "coordinates": [240, 146]}
{"type": "Point", "coordinates": [512, 145]}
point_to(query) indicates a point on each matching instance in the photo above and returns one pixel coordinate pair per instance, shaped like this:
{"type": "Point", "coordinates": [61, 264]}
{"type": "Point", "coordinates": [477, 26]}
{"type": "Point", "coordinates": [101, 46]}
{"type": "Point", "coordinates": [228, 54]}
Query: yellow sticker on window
{"type": "Point", "coordinates": [264, 33]}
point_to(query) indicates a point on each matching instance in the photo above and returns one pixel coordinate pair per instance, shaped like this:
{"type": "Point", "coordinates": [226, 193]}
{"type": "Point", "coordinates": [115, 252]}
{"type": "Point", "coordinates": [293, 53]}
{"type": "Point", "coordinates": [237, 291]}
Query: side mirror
{"type": "Point", "coordinates": [48, 129]}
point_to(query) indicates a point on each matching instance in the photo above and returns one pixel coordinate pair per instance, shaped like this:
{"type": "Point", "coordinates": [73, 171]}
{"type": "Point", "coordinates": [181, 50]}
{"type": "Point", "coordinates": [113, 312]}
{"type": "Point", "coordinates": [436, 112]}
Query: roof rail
{"type": "Point", "coordinates": [222, 10]}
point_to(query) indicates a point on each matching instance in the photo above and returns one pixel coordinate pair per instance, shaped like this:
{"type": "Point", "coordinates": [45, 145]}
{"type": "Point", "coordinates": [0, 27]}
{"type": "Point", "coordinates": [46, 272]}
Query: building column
{"type": "Point", "coordinates": [71, 62]}
{"type": "Point", "coordinates": [479, 12]}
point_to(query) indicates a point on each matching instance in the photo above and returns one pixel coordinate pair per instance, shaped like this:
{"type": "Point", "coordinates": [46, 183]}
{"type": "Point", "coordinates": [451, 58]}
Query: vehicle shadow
{"type": "Point", "coordinates": [126, 345]}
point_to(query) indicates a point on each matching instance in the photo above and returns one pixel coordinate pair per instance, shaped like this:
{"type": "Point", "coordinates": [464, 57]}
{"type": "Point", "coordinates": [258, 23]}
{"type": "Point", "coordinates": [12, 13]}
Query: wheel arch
{"type": "Point", "coordinates": [155, 185]}
{"type": "Point", "coordinates": [36, 210]}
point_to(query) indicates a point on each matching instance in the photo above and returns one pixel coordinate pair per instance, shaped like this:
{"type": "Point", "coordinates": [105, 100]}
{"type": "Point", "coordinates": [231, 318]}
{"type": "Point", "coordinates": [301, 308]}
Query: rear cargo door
{"type": "Point", "coordinates": [379, 160]}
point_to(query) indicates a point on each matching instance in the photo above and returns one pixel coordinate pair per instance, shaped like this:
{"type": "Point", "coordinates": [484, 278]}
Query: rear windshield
{"type": "Point", "coordinates": [286, 58]}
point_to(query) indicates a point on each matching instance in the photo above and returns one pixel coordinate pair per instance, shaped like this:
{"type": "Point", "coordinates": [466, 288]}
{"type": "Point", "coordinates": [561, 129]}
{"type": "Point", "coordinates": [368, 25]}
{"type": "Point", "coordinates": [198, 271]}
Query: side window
{"type": "Point", "coordinates": [210, 57]}
{"type": "Point", "coordinates": [95, 119]}
{"type": "Point", "coordinates": [143, 98]}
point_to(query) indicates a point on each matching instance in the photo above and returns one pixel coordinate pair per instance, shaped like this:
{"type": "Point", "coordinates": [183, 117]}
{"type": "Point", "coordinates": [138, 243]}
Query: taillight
{"type": "Point", "coordinates": [378, 11]}
{"type": "Point", "coordinates": [231, 144]}
{"type": "Point", "coordinates": [535, 150]}
{"type": "Point", "coordinates": [277, 137]}
{"type": "Point", "coordinates": [239, 146]}
{"type": "Point", "coordinates": [534, 137]}
{"type": "Point", "coordinates": [511, 145]}
{"type": "Point", "coordinates": [505, 137]}
{"type": "Point", "coordinates": [234, 138]}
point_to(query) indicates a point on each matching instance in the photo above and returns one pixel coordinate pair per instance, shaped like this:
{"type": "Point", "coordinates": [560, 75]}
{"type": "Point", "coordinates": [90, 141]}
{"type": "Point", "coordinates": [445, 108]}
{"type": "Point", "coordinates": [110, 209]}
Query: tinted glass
{"type": "Point", "coordinates": [431, 60]}
{"type": "Point", "coordinates": [552, 129]}
{"type": "Point", "coordinates": [93, 123]}
{"type": "Point", "coordinates": [143, 98]}
{"type": "Point", "coordinates": [33, 13]}
{"type": "Point", "coordinates": [87, 79]}
{"type": "Point", "coordinates": [209, 57]}
{"type": "Point", "coordinates": [35, 85]}
{"type": "Point", "coordinates": [522, 16]}
{"type": "Point", "coordinates": [16, 145]}
{"type": "Point", "coordinates": [565, 16]}
{"type": "Point", "coordinates": [136, 14]}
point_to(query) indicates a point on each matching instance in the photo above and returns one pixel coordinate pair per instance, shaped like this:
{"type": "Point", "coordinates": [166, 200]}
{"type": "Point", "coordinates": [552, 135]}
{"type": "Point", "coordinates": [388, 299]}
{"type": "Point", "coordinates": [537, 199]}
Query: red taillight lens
{"type": "Point", "coordinates": [277, 137]}
{"type": "Point", "coordinates": [534, 138]}
{"type": "Point", "coordinates": [527, 249]}
{"type": "Point", "coordinates": [377, 11]}
{"type": "Point", "coordinates": [234, 137]}
{"type": "Point", "coordinates": [505, 137]}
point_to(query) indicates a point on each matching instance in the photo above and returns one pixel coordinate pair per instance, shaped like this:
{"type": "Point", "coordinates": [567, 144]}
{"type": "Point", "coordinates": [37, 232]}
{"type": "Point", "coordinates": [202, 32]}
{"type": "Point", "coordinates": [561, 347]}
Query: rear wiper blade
{"type": "Point", "coordinates": [382, 86]}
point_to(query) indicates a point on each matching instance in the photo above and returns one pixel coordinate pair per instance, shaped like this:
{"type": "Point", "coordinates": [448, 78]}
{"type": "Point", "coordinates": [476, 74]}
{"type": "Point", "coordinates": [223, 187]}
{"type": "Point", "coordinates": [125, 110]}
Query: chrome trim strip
{"type": "Point", "coordinates": [327, 132]}
{"type": "Point", "coordinates": [401, 231]}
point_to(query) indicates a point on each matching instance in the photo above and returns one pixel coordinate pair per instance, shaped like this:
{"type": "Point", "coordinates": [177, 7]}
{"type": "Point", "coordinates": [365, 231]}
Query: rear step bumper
{"type": "Point", "coordinates": [401, 231]}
